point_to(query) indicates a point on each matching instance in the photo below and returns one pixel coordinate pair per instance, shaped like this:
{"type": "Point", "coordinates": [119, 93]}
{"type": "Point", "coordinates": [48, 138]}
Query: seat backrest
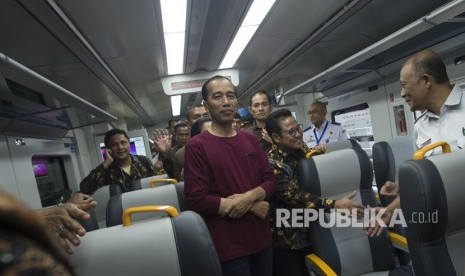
{"type": "Point", "coordinates": [347, 250]}
{"type": "Point", "coordinates": [165, 246]}
{"type": "Point", "coordinates": [102, 196]}
{"type": "Point", "coordinates": [432, 191]}
{"type": "Point", "coordinates": [343, 144]}
{"type": "Point", "coordinates": [172, 195]}
{"type": "Point", "coordinates": [92, 223]}
{"type": "Point", "coordinates": [387, 156]}
{"type": "Point", "coordinates": [144, 183]}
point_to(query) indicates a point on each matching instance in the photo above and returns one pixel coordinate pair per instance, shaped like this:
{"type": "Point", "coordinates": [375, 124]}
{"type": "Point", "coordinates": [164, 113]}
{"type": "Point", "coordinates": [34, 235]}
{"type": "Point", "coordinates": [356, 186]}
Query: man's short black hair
{"type": "Point", "coordinates": [180, 125]}
{"type": "Point", "coordinates": [112, 133]}
{"type": "Point", "coordinates": [197, 127]}
{"type": "Point", "coordinates": [259, 92]}
{"type": "Point", "coordinates": [189, 108]}
{"type": "Point", "coordinates": [172, 120]}
{"type": "Point", "coordinates": [217, 77]}
{"type": "Point", "coordinates": [273, 122]}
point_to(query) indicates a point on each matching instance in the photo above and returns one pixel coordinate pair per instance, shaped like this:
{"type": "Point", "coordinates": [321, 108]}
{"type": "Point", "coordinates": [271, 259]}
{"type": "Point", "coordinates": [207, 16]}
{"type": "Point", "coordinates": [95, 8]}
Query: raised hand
{"type": "Point", "coordinates": [108, 159]}
{"type": "Point", "coordinates": [163, 141]}
{"type": "Point", "coordinates": [266, 136]}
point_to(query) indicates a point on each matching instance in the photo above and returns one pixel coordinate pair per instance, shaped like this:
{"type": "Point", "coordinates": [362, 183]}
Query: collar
{"type": "Point", "coordinates": [255, 127]}
{"type": "Point", "coordinates": [322, 125]}
{"type": "Point", "coordinates": [454, 98]}
{"type": "Point", "coordinates": [280, 155]}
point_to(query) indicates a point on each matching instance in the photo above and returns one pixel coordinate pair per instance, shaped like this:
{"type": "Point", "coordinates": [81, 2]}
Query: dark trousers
{"type": "Point", "coordinates": [290, 262]}
{"type": "Point", "coordinates": [259, 264]}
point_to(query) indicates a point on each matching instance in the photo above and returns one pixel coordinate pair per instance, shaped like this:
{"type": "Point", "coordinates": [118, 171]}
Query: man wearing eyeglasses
{"type": "Point", "coordinates": [322, 131]}
{"type": "Point", "coordinates": [291, 245]}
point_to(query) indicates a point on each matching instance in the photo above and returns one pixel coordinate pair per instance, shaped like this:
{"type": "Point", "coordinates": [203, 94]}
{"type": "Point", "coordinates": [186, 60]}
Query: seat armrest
{"type": "Point", "coordinates": [398, 241]}
{"type": "Point", "coordinates": [317, 265]}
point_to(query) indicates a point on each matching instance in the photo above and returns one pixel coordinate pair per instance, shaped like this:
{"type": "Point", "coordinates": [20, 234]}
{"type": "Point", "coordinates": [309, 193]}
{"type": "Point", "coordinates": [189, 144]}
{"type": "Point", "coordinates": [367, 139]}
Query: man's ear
{"type": "Point", "coordinates": [205, 104]}
{"type": "Point", "coordinates": [428, 80]}
{"type": "Point", "coordinates": [275, 137]}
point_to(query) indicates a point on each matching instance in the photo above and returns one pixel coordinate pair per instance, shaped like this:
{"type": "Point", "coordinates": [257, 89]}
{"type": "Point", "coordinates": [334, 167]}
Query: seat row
{"type": "Point", "coordinates": [431, 192]}
{"type": "Point", "coordinates": [146, 232]}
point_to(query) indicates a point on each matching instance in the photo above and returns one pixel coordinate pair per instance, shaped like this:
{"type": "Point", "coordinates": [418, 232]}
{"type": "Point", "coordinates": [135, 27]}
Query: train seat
{"type": "Point", "coordinates": [387, 156]}
{"type": "Point", "coordinates": [343, 144]}
{"type": "Point", "coordinates": [432, 192]}
{"type": "Point", "coordinates": [169, 246]}
{"type": "Point", "coordinates": [345, 250]}
{"type": "Point", "coordinates": [145, 182]}
{"type": "Point", "coordinates": [172, 195]}
{"type": "Point", "coordinates": [102, 196]}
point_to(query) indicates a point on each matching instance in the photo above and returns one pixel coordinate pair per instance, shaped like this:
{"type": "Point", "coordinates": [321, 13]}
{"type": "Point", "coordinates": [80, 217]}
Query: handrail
{"type": "Point", "coordinates": [437, 16]}
{"type": "Point", "coordinates": [19, 73]}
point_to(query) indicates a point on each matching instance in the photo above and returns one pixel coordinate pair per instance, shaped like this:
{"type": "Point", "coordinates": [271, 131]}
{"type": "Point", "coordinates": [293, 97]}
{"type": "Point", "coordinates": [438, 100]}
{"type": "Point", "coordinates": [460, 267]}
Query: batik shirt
{"type": "Point", "coordinates": [140, 167]}
{"type": "Point", "coordinates": [288, 196]}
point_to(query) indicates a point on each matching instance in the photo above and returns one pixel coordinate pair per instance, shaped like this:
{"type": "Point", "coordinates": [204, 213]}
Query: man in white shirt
{"type": "Point", "coordinates": [322, 131]}
{"type": "Point", "coordinates": [426, 86]}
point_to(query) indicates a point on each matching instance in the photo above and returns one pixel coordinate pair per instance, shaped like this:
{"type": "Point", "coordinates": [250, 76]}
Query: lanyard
{"type": "Point", "coordinates": [322, 134]}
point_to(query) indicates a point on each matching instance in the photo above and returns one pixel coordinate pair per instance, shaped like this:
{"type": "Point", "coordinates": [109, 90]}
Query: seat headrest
{"type": "Point", "coordinates": [387, 156]}
{"type": "Point", "coordinates": [144, 183]}
{"type": "Point", "coordinates": [439, 185]}
{"type": "Point", "coordinates": [431, 192]}
{"type": "Point", "coordinates": [102, 196]}
{"type": "Point", "coordinates": [343, 144]}
{"type": "Point", "coordinates": [341, 171]}
{"type": "Point", "coordinates": [171, 195]}
{"type": "Point", "coordinates": [163, 246]}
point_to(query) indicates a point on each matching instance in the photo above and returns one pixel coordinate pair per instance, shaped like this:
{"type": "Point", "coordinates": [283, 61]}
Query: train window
{"type": "Point", "coordinates": [357, 122]}
{"type": "Point", "coordinates": [51, 180]}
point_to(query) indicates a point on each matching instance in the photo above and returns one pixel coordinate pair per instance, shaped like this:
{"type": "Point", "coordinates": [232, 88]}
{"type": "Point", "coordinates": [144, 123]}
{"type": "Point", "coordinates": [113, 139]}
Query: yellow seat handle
{"type": "Point", "coordinates": [312, 152]}
{"type": "Point", "coordinates": [420, 154]}
{"type": "Point", "coordinates": [323, 267]}
{"type": "Point", "coordinates": [398, 240]}
{"type": "Point", "coordinates": [169, 210]}
{"type": "Point", "coordinates": [157, 180]}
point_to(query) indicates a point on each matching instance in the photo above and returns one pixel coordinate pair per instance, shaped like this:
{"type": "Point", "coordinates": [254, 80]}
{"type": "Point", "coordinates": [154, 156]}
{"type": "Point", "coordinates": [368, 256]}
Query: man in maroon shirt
{"type": "Point", "coordinates": [227, 180]}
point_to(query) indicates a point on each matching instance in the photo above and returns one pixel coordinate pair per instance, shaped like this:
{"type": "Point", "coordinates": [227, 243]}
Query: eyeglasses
{"type": "Point", "coordinates": [293, 131]}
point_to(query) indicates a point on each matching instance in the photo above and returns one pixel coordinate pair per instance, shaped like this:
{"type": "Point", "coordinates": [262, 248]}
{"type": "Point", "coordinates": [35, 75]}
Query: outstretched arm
{"type": "Point", "coordinates": [63, 220]}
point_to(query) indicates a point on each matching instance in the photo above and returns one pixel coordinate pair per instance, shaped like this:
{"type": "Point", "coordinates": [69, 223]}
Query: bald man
{"type": "Point", "coordinates": [426, 86]}
{"type": "Point", "coordinates": [322, 131]}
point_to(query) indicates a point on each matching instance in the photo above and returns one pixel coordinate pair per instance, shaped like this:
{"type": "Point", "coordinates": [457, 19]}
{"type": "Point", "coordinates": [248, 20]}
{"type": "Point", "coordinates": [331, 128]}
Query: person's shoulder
{"type": "Point", "coordinates": [308, 128]}
{"type": "Point", "coordinates": [245, 133]}
{"type": "Point", "coordinates": [199, 139]}
{"type": "Point", "coordinates": [336, 123]}
{"type": "Point", "coordinates": [141, 157]}
{"type": "Point", "coordinates": [180, 150]}
{"type": "Point", "coordinates": [247, 136]}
